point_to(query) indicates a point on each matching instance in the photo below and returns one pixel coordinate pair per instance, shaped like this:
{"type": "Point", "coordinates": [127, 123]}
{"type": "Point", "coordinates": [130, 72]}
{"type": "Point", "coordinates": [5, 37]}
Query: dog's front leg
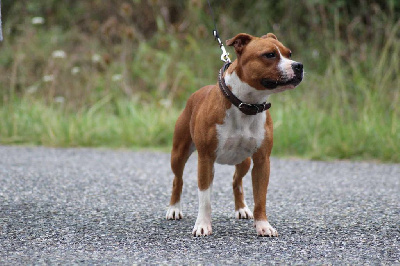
{"type": "Point", "coordinates": [260, 179]}
{"type": "Point", "coordinates": [205, 179]}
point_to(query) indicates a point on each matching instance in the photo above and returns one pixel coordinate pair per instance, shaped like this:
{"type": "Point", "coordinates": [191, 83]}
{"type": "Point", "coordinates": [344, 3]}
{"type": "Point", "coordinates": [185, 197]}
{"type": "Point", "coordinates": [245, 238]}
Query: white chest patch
{"type": "Point", "coordinates": [240, 135]}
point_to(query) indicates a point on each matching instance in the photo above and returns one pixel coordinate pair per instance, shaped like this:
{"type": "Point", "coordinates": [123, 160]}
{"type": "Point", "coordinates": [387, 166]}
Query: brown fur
{"type": "Point", "coordinates": [207, 107]}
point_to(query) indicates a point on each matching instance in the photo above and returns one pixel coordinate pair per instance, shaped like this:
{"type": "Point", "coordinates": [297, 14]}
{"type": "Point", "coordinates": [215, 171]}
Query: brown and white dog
{"type": "Point", "coordinates": [223, 134]}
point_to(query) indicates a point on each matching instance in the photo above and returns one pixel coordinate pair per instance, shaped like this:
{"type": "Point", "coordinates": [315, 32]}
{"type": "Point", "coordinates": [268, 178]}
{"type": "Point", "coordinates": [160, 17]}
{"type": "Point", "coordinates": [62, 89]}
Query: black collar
{"type": "Point", "coordinates": [246, 108]}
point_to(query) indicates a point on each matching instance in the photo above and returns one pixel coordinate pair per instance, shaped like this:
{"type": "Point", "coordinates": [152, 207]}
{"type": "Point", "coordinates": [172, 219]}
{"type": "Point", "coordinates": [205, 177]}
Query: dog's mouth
{"type": "Point", "coordinates": [273, 84]}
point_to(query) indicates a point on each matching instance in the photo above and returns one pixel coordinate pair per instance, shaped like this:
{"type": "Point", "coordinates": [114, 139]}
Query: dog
{"type": "Point", "coordinates": [228, 123]}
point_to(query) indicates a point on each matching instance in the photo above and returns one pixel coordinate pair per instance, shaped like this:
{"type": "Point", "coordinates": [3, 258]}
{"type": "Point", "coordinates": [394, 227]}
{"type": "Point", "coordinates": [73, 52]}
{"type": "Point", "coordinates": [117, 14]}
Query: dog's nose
{"type": "Point", "coordinates": [297, 68]}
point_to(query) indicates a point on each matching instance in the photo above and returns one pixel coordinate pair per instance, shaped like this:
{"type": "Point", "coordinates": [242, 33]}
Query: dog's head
{"type": "Point", "coordinates": [265, 63]}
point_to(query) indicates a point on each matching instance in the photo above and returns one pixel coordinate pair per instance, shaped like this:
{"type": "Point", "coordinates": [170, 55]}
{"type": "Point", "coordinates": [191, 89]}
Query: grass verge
{"type": "Point", "coordinates": [107, 123]}
{"type": "Point", "coordinates": [300, 128]}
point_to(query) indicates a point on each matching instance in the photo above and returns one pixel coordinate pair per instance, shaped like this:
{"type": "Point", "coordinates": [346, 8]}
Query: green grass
{"type": "Point", "coordinates": [105, 124]}
{"type": "Point", "coordinates": [302, 128]}
{"type": "Point", "coordinates": [350, 111]}
{"type": "Point", "coordinates": [119, 87]}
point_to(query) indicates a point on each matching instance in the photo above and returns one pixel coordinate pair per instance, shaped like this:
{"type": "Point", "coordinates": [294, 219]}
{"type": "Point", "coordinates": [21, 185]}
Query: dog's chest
{"type": "Point", "coordinates": [239, 136]}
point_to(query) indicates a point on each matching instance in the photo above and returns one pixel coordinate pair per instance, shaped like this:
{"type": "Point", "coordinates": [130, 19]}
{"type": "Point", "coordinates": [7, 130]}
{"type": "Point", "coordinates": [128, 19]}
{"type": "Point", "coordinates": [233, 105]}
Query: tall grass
{"type": "Point", "coordinates": [116, 81]}
{"type": "Point", "coordinates": [107, 123]}
{"type": "Point", "coordinates": [348, 112]}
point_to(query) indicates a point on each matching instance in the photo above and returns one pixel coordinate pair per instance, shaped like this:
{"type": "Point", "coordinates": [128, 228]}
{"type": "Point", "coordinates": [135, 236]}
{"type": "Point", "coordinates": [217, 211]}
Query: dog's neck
{"type": "Point", "coordinates": [244, 91]}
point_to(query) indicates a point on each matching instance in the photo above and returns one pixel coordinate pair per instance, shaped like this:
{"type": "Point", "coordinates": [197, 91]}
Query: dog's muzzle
{"type": "Point", "coordinates": [298, 77]}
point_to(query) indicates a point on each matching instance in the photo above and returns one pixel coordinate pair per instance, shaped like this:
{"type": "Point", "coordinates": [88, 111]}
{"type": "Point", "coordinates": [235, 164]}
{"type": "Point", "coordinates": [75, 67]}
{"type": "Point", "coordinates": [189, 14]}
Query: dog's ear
{"type": "Point", "coordinates": [269, 35]}
{"type": "Point", "coordinates": [239, 41]}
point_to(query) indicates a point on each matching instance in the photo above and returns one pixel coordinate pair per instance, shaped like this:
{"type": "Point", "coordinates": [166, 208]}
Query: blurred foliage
{"type": "Point", "coordinates": [157, 45]}
{"type": "Point", "coordinates": [68, 56]}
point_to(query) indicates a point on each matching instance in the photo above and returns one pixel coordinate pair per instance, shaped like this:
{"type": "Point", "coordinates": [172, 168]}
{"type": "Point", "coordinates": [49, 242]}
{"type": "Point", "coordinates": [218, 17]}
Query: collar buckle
{"type": "Point", "coordinates": [249, 106]}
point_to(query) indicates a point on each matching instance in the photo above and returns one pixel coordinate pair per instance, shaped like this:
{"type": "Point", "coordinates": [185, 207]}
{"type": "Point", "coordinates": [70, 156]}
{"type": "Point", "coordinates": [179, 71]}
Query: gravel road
{"type": "Point", "coordinates": [95, 206]}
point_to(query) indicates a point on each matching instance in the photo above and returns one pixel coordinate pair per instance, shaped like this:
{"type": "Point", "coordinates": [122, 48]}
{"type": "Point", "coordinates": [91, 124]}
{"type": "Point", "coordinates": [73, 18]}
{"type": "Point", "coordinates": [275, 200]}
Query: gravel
{"type": "Point", "coordinates": [96, 206]}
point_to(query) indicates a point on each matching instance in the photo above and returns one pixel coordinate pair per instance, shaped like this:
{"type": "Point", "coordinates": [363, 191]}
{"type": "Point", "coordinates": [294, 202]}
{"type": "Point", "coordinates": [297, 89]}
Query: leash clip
{"type": "Point", "coordinates": [225, 55]}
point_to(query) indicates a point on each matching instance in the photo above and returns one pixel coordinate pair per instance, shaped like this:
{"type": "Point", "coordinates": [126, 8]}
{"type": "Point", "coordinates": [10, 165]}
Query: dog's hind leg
{"type": "Point", "coordinates": [182, 148]}
{"type": "Point", "coordinates": [241, 209]}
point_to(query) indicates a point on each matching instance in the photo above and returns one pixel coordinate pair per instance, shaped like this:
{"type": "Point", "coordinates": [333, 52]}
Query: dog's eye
{"type": "Point", "coordinates": [270, 55]}
{"type": "Point", "coordinates": [290, 54]}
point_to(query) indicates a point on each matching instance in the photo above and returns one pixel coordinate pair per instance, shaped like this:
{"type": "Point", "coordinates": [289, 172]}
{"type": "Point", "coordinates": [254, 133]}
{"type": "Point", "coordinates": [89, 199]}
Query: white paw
{"type": "Point", "coordinates": [263, 228]}
{"type": "Point", "coordinates": [174, 212]}
{"type": "Point", "coordinates": [244, 213]}
{"type": "Point", "coordinates": [202, 228]}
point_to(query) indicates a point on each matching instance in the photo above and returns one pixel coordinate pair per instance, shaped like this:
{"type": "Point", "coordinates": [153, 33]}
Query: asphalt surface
{"type": "Point", "coordinates": [91, 206]}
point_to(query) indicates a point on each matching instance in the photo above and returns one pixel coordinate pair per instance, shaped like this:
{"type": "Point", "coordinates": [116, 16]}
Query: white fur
{"type": "Point", "coordinates": [263, 228]}
{"type": "Point", "coordinates": [285, 66]}
{"type": "Point", "coordinates": [174, 212]}
{"type": "Point", "coordinates": [202, 226]}
{"type": "Point", "coordinates": [240, 135]}
{"type": "Point", "coordinates": [245, 213]}
{"type": "Point", "coordinates": [244, 91]}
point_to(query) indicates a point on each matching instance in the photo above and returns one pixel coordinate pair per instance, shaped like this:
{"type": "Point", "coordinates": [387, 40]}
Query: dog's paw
{"type": "Point", "coordinates": [174, 212]}
{"type": "Point", "coordinates": [244, 213]}
{"type": "Point", "coordinates": [202, 228]}
{"type": "Point", "coordinates": [263, 228]}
